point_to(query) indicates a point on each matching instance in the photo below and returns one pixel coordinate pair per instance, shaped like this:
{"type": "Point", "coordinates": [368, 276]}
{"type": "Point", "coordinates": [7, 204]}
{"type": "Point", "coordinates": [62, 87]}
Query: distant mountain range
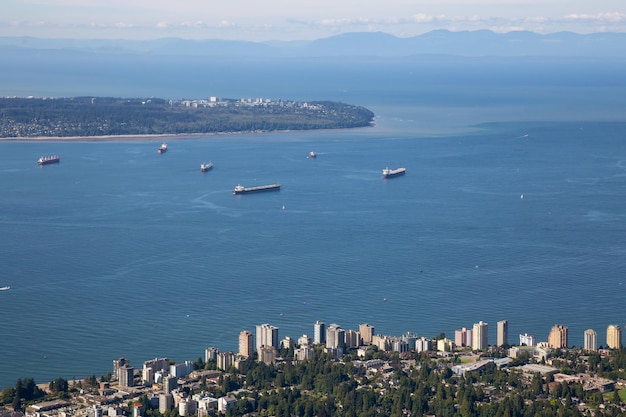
{"type": "Point", "coordinates": [481, 43]}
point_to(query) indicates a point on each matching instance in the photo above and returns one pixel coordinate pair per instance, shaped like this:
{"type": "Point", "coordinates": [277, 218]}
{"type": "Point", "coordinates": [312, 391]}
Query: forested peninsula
{"type": "Point", "coordinates": [108, 116]}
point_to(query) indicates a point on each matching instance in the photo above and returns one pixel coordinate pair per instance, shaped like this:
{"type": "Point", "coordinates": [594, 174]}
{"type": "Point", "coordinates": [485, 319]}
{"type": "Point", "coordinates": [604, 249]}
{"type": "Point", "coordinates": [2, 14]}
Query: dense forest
{"type": "Point", "coordinates": [103, 116]}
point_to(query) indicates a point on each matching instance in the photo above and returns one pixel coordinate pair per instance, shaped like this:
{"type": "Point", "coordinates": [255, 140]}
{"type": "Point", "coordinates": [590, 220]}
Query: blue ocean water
{"type": "Point", "coordinates": [512, 208]}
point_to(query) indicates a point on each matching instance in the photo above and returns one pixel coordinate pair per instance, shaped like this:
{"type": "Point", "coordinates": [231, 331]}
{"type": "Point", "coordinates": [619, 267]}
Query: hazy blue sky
{"type": "Point", "coordinates": [299, 19]}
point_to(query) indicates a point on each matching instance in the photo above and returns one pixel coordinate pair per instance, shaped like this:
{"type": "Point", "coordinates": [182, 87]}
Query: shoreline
{"type": "Point", "coordinates": [115, 138]}
{"type": "Point", "coordinates": [161, 136]}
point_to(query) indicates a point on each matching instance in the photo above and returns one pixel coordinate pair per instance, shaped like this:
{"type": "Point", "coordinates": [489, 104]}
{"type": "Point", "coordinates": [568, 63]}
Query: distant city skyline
{"type": "Point", "coordinates": [298, 20]}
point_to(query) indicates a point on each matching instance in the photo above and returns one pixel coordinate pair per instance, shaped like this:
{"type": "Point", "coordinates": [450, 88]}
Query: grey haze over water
{"type": "Point", "coordinates": [512, 208]}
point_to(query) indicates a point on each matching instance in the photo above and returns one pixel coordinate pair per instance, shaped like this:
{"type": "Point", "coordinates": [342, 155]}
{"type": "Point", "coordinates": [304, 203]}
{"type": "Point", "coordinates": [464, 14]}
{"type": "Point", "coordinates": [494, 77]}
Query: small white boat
{"type": "Point", "coordinates": [390, 173]}
{"type": "Point", "coordinates": [5, 288]}
{"type": "Point", "coordinates": [162, 148]}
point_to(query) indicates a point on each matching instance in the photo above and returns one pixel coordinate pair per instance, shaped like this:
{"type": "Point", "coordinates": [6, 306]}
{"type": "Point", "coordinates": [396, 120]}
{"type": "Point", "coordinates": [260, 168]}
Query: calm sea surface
{"type": "Point", "coordinates": [119, 251]}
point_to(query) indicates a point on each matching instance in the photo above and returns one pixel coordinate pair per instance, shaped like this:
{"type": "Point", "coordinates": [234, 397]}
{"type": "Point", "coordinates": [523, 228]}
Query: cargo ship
{"type": "Point", "coordinates": [45, 160]}
{"type": "Point", "coordinates": [240, 189]}
{"type": "Point", "coordinates": [162, 148]}
{"type": "Point", "coordinates": [206, 167]}
{"type": "Point", "coordinates": [390, 173]}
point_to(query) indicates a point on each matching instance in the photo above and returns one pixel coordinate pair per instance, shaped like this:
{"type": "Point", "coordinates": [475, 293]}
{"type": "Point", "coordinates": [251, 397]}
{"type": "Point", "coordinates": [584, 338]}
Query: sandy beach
{"type": "Point", "coordinates": [142, 138]}
{"type": "Point", "coordinates": [111, 138]}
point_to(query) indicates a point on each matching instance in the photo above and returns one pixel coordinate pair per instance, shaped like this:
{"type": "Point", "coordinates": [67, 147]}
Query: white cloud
{"type": "Point", "coordinates": [613, 17]}
{"type": "Point", "coordinates": [506, 29]}
{"type": "Point", "coordinates": [336, 22]}
{"type": "Point", "coordinates": [536, 19]}
{"type": "Point", "coordinates": [225, 24]}
{"type": "Point", "coordinates": [422, 18]}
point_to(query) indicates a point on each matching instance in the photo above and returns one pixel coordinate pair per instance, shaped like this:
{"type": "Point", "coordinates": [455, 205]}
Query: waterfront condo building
{"type": "Point", "coordinates": [117, 365]}
{"type": "Point", "coordinates": [319, 332]}
{"type": "Point", "coordinates": [399, 345]}
{"type": "Point", "coordinates": [157, 364]}
{"type": "Point", "coordinates": [304, 340]}
{"type": "Point", "coordinates": [503, 333]}
{"type": "Point", "coordinates": [266, 335]}
{"type": "Point", "coordinates": [246, 343]}
{"type": "Point", "coordinates": [591, 340]}
{"type": "Point", "coordinates": [367, 332]}
{"type": "Point", "coordinates": [225, 360]}
{"type": "Point", "coordinates": [410, 338]}
{"type": "Point", "coordinates": [335, 337]}
{"type": "Point", "coordinates": [614, 336]}
{"type": "Point", "coordinates": [287, 343]}
{"type": "Point", "coordinates": [181, 369]}
{"type": "Point", "coordinates": [151, 367]}
{"type": "Point", "coordinates": [558, 337]}
{"type": "Point", "coordinates": [210, 354]}
{"type": "Point", "coordinates": [382, 342]}
{"type": "Point", "coordinates": [463, 337]}
{"type": "Point", "coordinates": [422, 344]}
{"type": "Point", "coordinates": [126, 375]}
{"type": "Point", "coordinates": [445, 345]}
{"type": "Point", "coordinates": [480, 336]}
{"type": "Point", "coordinates": [527, 340]}
{"type": "Point", "coordinates": [352, 338]}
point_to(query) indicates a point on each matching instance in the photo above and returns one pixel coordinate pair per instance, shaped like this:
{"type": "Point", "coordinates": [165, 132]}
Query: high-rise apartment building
{"type": "Point", "coordinates": [614, 336]}
{"type": "Point", "coordinates": [287, 343]}
{"type": "Point", "coordinates": [117, 365]}
{"type": "Point", "coordinates": [335, 336]}
{"type": "Point", "coordinates": [410, 339]}
{"type": "Point", "coordinates": [166, 402]}
{"type": "Point", "coordinates": [267, 354]}
{"type": "Point", "coordinates": [304, 340]}
{"type": "Point", "coordinates": [170, 383]}
{"type": "Point", "coordinates": [246, 343]}
{"type": "Point", "coordinates": [527, 340]}
{"type": "Point", "coordinates": [319, 332]}
{"type": "Point", "coordinates": [126, 375]}
{"type": "Point", "coordinates": [151, 367]}
{"type": "Point", "coordinates": [422, 344]}
{"type": "Point", "coordinates": [210, 354]}
{"type": "Point", "coordinates": [591, 340]}
{"type": "Point", "coordinates": [225, 360]}
{"type": "Point", "coordinates": [558, 337]}
{"type": "Point", "coordinates": [266, 335]}
{"type": "Point", "coordinates": [480, 337]}
{"type": "Point", "coordinates": [352, 338]}
{"type": "Point", "coordinates": [503, 333]}
{"type": "Point", "coordinates": [463, 337]}
{"type": "Point", "coordinates": [367, 332]}
{"type": "Point", "coordinates": [303, 353]}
